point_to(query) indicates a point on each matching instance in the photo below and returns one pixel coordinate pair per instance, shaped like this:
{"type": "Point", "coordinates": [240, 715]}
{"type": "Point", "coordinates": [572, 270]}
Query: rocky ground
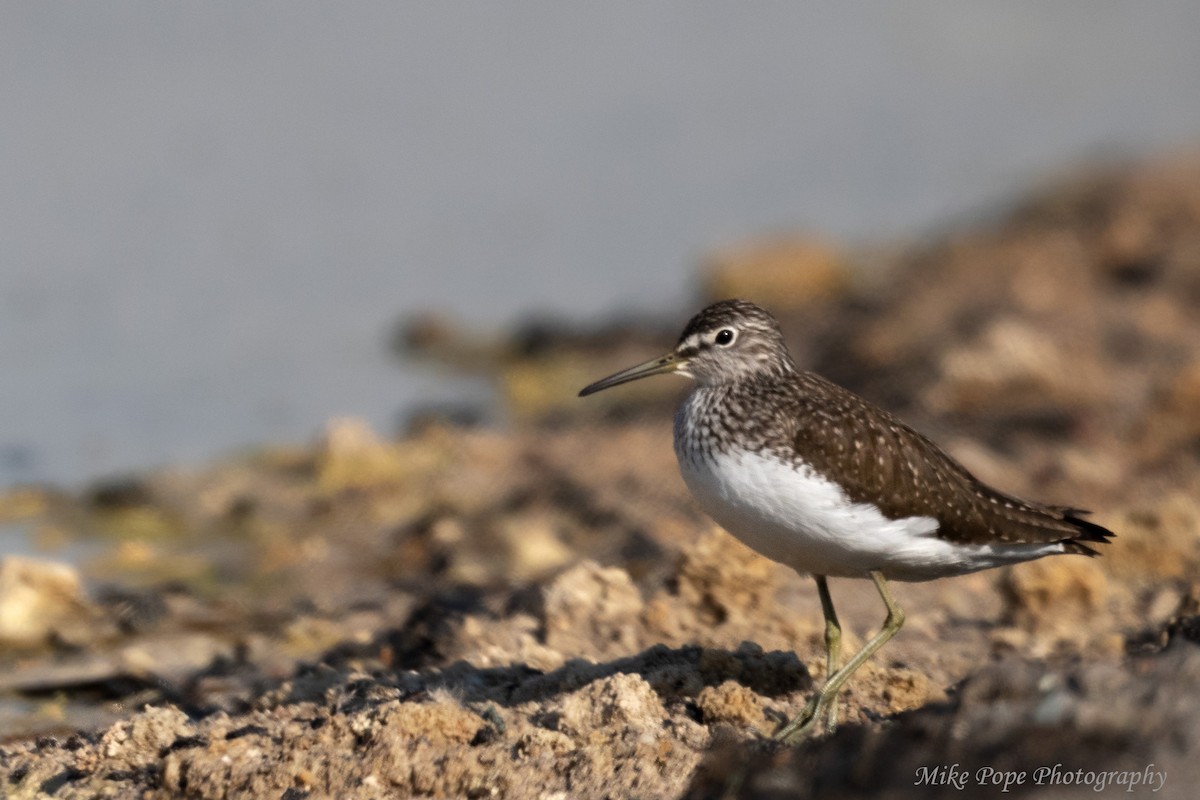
{"type": "Point", "coordinates": [537, 609]}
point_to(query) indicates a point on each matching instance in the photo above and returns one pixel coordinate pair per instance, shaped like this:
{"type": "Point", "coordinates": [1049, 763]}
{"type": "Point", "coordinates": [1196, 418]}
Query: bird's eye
{"type": "Point", "coordinates": [724, 337]}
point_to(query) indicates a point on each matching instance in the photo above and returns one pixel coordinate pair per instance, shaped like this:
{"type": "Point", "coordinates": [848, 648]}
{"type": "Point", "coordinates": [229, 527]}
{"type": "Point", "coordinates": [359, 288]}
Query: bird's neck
{"type": "Point", "coordinates": [763, 372]}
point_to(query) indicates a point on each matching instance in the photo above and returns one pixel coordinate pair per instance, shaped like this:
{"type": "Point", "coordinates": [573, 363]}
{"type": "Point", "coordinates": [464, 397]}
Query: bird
{"type": "Point", "coordinates": [815, 477]}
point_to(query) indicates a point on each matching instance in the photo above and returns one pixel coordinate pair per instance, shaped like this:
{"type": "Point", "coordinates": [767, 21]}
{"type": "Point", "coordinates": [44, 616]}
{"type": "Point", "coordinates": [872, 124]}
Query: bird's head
{"type": "Point", "coordinates": [727, 341]}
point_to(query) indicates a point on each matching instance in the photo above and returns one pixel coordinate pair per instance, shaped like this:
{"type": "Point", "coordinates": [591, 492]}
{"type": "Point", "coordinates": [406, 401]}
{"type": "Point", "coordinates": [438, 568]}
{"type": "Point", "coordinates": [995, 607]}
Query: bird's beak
{"type": "Point", "coordinates": [658, 366]}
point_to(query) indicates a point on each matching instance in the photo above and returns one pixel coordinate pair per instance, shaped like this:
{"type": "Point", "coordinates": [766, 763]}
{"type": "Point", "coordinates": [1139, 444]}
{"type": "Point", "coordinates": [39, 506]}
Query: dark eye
{"type": "Point", "coordinates": [724, 336]}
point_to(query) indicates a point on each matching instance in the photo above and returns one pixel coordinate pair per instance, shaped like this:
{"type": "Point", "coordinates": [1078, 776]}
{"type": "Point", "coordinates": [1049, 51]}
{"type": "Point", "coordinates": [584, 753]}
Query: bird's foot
{"type": "Point", "coordinates": [807, 720]}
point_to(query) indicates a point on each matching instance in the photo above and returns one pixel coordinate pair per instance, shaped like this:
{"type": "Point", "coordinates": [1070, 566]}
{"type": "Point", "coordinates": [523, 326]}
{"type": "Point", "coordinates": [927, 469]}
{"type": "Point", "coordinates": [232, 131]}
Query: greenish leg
{"type": "Point", "coordinates": [833, 646]}
{"type": "Point", "coordinates": [824, 698]}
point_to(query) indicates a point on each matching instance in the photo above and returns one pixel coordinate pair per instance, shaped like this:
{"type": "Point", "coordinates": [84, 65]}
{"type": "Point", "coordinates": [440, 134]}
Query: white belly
{"type": "Point", "coordinates": [795, 516]}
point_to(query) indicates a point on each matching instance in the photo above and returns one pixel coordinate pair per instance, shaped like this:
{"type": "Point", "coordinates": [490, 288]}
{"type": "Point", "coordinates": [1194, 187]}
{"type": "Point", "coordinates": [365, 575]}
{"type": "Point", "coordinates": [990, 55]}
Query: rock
{"type": "Point", "coordinates": [1012, 365]}
{"type": "Point", "coordinates": [352, 456]}
{"type": "Point", "coordinates": [1070, 732]}
{"type": "Point", "coordinates": [733, 703]}
{"type": "Point", "coordinates": [442, 722]}
{"type": "Point", "coordinates": [592, 609]}
{"type": "Point", "coordinates": [615, 708]}
{"type": "Point", "coordinates": [40, 600]}
{"type": "Point", "coordinates": [783, 273]}
{"type": "Point", "coordinates": [534, 546]}
{"type": "Point", "coordinates": [719, 578]}
{"type": "Point", "coordinates": [139, 740]}
{"type": "Point", "coordinates": [1055, 597]}
{"type": "Point", "coordinates": [1157, 542]}
{"type": "Point", "coordinates": [23, 502]}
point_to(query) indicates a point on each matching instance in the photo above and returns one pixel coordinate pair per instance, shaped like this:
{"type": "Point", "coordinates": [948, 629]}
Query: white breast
{"type": "Point", "coordinates": [793, 515]}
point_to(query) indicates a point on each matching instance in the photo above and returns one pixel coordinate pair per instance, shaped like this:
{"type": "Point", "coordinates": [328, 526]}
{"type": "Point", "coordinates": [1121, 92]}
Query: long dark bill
{"type": "Point", "coordinates": [657, 366]}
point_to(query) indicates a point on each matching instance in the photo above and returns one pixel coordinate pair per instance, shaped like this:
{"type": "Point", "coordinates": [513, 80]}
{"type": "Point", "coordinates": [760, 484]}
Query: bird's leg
{"type": "Point", "coordinates": [821, 701]}
{"type": "Point", "coordinates": [833, 646]}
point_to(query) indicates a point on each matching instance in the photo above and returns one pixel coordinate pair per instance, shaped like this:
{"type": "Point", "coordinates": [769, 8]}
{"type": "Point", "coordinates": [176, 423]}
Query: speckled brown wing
{"type": "Point", "coordinates": [882, 461]}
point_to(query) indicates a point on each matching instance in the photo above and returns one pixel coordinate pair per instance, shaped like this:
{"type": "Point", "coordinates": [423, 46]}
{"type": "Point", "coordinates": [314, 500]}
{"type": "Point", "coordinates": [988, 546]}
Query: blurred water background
{"type": "Point", "coordinates": [212, 214]}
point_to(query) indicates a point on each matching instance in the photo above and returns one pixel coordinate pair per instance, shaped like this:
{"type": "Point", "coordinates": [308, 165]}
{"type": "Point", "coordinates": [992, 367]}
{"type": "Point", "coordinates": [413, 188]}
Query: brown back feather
{"type": "Point", "coordinates": [880, 460]}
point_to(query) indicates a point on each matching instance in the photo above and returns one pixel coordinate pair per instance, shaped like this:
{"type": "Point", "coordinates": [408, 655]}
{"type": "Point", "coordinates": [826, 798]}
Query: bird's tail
{"type": "Point", "coordinates": [1089, 532]}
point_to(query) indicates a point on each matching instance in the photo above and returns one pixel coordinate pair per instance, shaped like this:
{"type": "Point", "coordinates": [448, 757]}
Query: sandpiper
{"type": "Point", "coordinates": [815, 477]}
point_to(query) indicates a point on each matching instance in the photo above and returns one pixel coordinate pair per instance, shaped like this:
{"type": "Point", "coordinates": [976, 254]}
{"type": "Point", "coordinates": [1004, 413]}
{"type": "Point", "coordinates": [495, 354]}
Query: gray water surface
{"type": "Point", "coordinates": [211, 213]}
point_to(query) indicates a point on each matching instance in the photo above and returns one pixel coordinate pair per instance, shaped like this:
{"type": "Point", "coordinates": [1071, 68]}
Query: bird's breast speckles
{"type": "Point", "coordinates": [717, 420]}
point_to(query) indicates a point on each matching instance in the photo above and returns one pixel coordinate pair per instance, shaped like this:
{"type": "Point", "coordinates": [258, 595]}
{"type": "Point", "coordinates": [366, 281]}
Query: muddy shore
{"type": "Point", "coordinates": [538, 609]}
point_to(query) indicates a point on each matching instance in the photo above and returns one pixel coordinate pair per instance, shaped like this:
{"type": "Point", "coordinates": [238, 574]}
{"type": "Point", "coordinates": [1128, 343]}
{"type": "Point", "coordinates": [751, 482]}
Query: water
{"type": "Point", "coordinates": [211, 214]}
